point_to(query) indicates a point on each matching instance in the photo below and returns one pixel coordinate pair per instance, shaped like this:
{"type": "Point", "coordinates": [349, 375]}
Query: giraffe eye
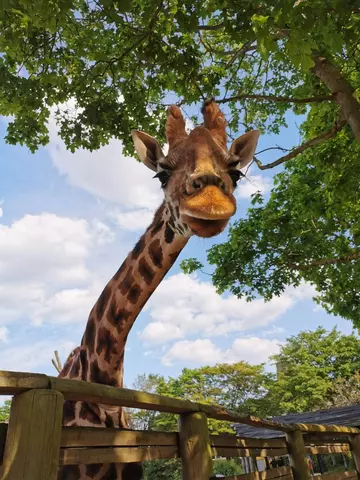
{"type": "Point", "coordinates": [163, 176]}
{"type": "Point", "coordinates": [235, 176]}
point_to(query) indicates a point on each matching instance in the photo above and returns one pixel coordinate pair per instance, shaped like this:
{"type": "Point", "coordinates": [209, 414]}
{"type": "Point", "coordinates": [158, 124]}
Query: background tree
{"type": "Point", "coordinates": [5, 411]}
{"type": "Point", "coordinates": [240, 387]}
{"type": "Point", "coordinates": [145, 419]}
{"type": "Point", "coordinates": [345, 392]}
{"type": "Point", "coordinates": [313, 367]}
{"type": "Point", "coordinates": [263, 60]}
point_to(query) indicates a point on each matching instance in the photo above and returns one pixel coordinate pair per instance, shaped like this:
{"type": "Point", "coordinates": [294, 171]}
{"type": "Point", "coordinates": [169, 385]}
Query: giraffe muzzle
{"type": "Point", "coordinates": [210, 203]}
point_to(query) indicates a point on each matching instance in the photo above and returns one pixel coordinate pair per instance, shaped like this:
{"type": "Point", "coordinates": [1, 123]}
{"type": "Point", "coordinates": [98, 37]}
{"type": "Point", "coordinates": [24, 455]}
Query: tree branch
{"type": "Point", "coordinates": [325, 261]}
{"type": "Point", "coordinates": [273, 148]}
{"type": "Point", "coordinates": [211, 27]}
{"type": "Point", "coordinates": [310, 143]}
{"type": "Point", "coordinates": [342, 90]}
{"type": "Point", "coordinates": [274, 98]}
{"type": "Point", "coordinates": [247, 47]}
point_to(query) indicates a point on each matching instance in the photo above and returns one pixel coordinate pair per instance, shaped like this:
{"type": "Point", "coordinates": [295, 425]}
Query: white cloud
{"type": "Point", "coordinates": [159, 332]}
{"type": "Point", "coordinates": [4, 334]}
{"type": "Point", "coordinates": [106, 173]}
{"type": "Point", "coordinates": [43, 268]}
{"type": "Point", "coordinates": [305, 290]}
{"type": "Point", "coordinates": [30, 357]}
{"type": "Point", "coordinates": [102, 233]}
{"type": "Point", "coordinates": [45, 248]}
{"type": "Point", "coordinates": [274, 330]}
{"type": "Point", "coordinates": [202, 351]}
{"type": "Point", "coordinates": [184, 305]}
{"type": "Point", "coordinates": [66, 306]}
{"type": "Point", "coordinates": [252, 184]}
{"type": "Point", "coordinates": [1, 211]}
{"type": "Point", "coordinates": [205, 352]}
{"type": "Point", "coordinates": [252, 349]}
{"type": "Point", "coordinates": [133, 220]}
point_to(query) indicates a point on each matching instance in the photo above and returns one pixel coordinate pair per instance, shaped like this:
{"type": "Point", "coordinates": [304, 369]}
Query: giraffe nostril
{"type": "Point", "coordinates": [196, 184]}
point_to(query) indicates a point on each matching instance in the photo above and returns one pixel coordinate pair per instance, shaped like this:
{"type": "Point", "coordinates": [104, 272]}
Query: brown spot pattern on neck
{"type": "Point", "coordinates": [103, 344]}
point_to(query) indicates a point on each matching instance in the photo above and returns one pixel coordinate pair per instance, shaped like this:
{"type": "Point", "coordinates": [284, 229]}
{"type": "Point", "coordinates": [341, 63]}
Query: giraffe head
{"type": "Point", "coordinates": [199, 174]}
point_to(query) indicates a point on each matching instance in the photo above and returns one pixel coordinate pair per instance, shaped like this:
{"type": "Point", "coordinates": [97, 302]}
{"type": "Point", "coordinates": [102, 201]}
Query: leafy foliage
{"type": "Point", "coordinates": [5, 411]}
{"type": "Point", "coordinates": [162, 470]}
{"type": "Point", "coordinates": [238, 387]}
{"type": "Point", "coordinates": [77, 58]}
{"type": "Point", "coordinates": [311, 216]}
{"type": "Point", "coordinates": [345, 391]}
{"type": "Point", "coordinates": [313, 367]}
{"type": "Point", "coordinates": [86, 51]}
{"type": "Point", "coordinates": [227, 467]}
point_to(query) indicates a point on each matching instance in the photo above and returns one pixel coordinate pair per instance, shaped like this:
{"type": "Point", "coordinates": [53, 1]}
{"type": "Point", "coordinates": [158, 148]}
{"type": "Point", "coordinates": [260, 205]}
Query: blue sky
{"type": "Point", "coordinates": [67, 222]}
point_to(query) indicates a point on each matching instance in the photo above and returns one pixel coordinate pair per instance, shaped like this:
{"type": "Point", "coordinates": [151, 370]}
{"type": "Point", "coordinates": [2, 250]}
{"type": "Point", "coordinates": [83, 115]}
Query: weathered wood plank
{"type": "Point", "coordinates": [76, 456]}
{"type": "Point", "coordinates": [283, 473]}
{"type": "Point", "coordinates": [335, 476]}
{"type": "Point", "coordinates": [113, 437]}
{"type": "Point", "coordinates": [355, 450]}
{"type": "Point", "coordinates": [194, 444]}
{"type": "Point", "coordinates": [33, 437]}
{"type": "Point", "coordinates": [230, 452]}
{"type": "Point", "coordinates": [325, 438]}
{"type": "Point", "coordinates": [309, 427]}
{"type": "Point", "coordinates": [298, 460]}
{"type": "Point", "coordinates": [257, 476]}
{"type": "Point", "coordinates": [12, 383]}
{"type": "Point", "coordinates": [327, 449]}
{"type": "Point", "coordinates": [96, 393]}
{"type": "Point", "coordinates": [234, 441]}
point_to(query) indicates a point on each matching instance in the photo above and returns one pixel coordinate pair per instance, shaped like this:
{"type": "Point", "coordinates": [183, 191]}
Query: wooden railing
{"type": "Point", "coordinates": [34, 443]}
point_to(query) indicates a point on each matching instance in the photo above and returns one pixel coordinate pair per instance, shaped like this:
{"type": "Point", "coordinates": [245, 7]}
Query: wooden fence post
{"type": "Point", "coordinates": [355, 450]}
{"type": "Point", "coordinates": [195, 449]}
{"type": "Point", "coordinates": [298, 460]}
{"type": "Point", "coordinates": [33, 438]}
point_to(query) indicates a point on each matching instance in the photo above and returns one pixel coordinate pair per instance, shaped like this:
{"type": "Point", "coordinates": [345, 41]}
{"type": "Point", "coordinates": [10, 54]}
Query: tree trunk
{"type": "Point", "coordinates": [342, 90]}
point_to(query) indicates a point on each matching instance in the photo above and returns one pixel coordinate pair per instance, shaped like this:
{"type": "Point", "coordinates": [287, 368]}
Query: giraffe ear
{"type": "Point", "coordinates": [147, 148]}
{"type": "Point", "coordinates": [243, 148]}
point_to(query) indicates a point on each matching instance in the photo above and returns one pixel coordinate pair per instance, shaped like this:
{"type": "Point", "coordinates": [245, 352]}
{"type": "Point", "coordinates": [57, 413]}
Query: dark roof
{"type": "Point", "coordinates": [344, 416]}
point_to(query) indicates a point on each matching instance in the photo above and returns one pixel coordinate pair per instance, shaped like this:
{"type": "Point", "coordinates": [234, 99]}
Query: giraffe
{"type": "Point", "coordinates": [198, 177]}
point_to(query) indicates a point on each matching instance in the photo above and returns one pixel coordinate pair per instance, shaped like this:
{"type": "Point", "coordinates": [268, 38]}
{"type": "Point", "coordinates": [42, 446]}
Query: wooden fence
{"type": "Point", "coordinates": [33, 444]}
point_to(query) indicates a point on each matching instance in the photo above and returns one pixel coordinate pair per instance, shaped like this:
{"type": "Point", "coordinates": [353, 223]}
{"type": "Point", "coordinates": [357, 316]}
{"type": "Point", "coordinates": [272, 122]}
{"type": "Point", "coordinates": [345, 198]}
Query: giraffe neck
{"type": "Point", "coordinates": [113, 315]}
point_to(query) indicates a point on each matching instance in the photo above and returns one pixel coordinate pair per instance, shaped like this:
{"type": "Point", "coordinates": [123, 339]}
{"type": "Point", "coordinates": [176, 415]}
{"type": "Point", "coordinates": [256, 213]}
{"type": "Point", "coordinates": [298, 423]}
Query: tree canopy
{"type": "Point", "coordinates": [5, 411]}
{"type": "Point", "coordinates": [315, 369]}
{"type": "Point", "coordinates": [312, 367]}
{"type": "Point", "coordinates": [239, 387]}
{"type": "Point", "coordinates": [104, 67]}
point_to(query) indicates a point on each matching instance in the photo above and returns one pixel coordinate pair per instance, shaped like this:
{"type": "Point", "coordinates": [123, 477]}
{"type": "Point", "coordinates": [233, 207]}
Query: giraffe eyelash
{"type": "Point", "coordinates": [165, 166]}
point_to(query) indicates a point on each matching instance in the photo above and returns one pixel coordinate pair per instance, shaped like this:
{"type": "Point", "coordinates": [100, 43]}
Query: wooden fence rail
{"type": "Point", "coordinates": [34, 444]}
